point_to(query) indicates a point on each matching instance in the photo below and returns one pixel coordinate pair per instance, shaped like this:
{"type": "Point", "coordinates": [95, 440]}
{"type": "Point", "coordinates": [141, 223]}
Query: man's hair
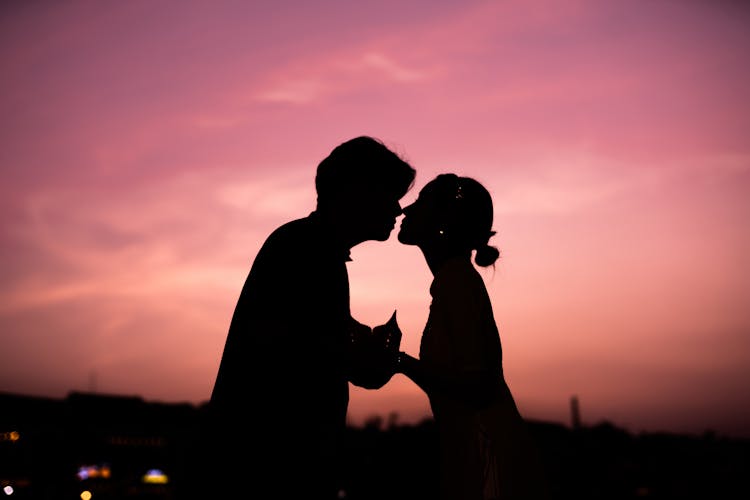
{"type": "Point", "coordinates": [362, 164]}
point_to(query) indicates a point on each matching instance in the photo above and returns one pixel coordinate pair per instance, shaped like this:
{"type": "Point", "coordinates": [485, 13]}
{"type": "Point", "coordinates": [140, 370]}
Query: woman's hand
{"type": "Point", "coordinates": [388, 335]}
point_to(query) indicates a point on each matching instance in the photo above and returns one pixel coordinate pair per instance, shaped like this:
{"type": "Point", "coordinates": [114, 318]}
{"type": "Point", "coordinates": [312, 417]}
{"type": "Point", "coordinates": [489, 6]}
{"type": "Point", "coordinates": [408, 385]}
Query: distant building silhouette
{"type": "Point", "coordinates": [575, 413]}
{"type": "Point", "coordinates": [122, 447]}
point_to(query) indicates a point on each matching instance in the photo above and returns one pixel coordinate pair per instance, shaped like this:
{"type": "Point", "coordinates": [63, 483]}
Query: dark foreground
{"type": "Point", "coordinates": [126, 448]}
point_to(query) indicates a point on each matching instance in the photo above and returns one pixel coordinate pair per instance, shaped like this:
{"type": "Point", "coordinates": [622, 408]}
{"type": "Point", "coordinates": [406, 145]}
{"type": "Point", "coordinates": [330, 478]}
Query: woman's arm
{"type": "Point", "coordinates": [475, 388]}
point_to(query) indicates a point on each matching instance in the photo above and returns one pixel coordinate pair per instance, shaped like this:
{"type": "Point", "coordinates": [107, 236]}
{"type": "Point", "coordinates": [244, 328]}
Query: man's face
{"type": "Point", "coordinates": [374, 215]}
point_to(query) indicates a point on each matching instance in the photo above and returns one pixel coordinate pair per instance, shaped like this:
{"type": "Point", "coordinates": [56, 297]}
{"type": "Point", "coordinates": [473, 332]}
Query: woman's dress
{"type": "Point", "coordinates": [486, 452]}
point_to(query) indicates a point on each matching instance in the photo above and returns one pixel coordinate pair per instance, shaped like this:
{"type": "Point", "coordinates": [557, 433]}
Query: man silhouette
{"type": "Point", "coordinates": [278, 408]}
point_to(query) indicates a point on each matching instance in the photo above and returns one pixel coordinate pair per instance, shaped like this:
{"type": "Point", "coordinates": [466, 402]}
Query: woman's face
{"type": "Point", "coordinates": [421, 223]}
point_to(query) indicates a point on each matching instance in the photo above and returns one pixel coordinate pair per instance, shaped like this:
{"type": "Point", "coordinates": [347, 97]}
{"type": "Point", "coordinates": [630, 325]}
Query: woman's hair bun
{"type": "Point", "coordinates": [486, 255]}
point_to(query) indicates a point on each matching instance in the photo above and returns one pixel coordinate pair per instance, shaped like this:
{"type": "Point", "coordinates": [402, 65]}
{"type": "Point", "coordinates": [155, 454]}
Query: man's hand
{"type": "Point", "coordinates": [373, 353]}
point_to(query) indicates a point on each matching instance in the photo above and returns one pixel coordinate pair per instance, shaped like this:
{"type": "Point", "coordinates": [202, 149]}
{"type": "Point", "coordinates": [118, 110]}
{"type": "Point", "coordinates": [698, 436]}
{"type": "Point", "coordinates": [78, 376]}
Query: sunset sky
{"type": "Point", "coordinates": [147, 148]}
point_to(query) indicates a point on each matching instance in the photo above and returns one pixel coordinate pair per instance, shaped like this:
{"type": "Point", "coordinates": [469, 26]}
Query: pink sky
{"type": "Point", "coordinates": [148, 148]}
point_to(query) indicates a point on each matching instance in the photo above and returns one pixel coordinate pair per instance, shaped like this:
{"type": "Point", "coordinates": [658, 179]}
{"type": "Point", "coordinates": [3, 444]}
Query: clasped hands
{"type": "Point", "coordinates": [373, 353]}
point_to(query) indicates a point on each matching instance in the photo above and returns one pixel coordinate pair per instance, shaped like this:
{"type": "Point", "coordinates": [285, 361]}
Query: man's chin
{"type": "Point", "coordinates": [386, 234]}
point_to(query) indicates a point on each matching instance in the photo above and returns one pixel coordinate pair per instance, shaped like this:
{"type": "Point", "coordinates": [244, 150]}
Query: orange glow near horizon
{"type": "Point", "coordinates": [148, 150]}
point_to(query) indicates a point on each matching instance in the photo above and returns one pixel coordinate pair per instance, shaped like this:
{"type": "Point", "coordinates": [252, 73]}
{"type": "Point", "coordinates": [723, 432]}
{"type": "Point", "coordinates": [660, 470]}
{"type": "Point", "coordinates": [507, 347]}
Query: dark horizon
{"type": "Point", "coordinates": [389, 419]}
{"type": "Point", "coordinates": [130, 436]}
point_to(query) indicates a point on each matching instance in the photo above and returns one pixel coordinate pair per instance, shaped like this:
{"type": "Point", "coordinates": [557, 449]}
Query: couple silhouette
{"type": "Point", "coordinates": [276, 420]}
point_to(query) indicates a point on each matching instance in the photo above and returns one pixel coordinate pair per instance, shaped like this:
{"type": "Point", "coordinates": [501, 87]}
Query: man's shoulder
{"type": "Point", "coordinates": [306, 238]}
{"type": "Point", "coordinates": [293, 228]}
{"type": "Point", "coordinates": [291, 236]}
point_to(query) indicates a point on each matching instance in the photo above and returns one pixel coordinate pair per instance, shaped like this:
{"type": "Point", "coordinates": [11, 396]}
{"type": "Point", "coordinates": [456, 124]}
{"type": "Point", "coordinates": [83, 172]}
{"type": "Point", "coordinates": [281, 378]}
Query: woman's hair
{"type": "Point", "coordinates": [362, 164]}
{"type": "Point", "coordinates": [469, 213]}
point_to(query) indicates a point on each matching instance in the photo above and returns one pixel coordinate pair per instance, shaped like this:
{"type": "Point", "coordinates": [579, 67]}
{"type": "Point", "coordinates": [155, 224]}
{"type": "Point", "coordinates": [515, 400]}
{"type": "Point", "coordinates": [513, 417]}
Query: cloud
{"type": "Point", "coordinates": [294, 91]}
{"type": "Point", "coordinates": [576, 181]}
{"type": "Point", "coordinates": [390, 68]}
{"type": "Point", "coordinates": [185, 232]}
{"type": "Point", "coordinates": [340, 73]}
{"type": "Point", "coordinates": [275, 196]}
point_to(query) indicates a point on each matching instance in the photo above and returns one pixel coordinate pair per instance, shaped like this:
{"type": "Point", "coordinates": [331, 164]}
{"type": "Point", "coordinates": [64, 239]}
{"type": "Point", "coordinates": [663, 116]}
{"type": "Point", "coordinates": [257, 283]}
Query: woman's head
{"type": "Point", "coordinates": [451, 214]}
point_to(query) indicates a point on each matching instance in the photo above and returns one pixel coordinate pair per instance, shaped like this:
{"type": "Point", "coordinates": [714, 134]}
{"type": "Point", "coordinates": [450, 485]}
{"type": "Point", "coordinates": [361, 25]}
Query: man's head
{"type": "Point", "coordinates": [360, 184]}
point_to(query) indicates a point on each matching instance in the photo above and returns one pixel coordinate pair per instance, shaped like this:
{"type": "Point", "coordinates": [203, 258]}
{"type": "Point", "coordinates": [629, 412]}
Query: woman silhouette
{"type": "Point", "coordinates": [485, 450]}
